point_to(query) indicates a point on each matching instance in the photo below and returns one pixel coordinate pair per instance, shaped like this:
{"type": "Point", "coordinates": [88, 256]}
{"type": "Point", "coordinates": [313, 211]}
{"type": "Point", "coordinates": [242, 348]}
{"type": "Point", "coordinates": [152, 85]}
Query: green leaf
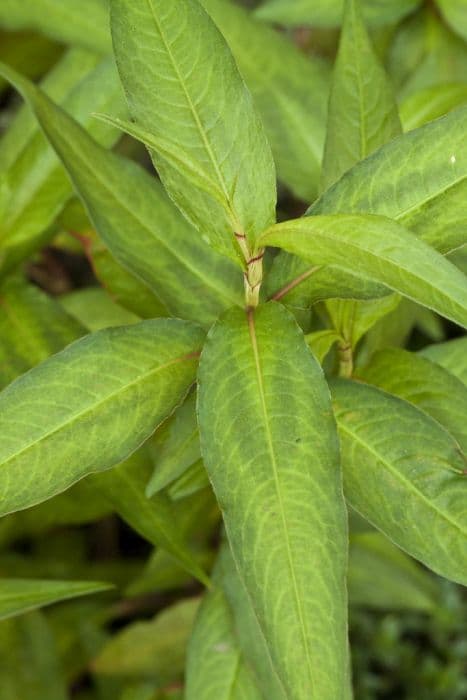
{"type": "Point", "coordinates": [176, 157]}
{"type": "Point", "coordinates": [184, 88]}
{"type": "Point", "coordinates": [29, 660]}
{"type": "Point", "coordinates": [363, 114]}
{"type": "Point", "coordinates": [423, 383]}
{"type": "Point", "coordinates": [32, 179]}
{"type": "Point", "coordinates": [198, 520]}
{"type": "Point", "coordinates": [154, 519]}
{"type": "Point", "coordinates": [393, 330]}
{"type": "Point", "coordinates": [455, 14]}
{"type": "Point", "coordinates": [247, 628]}
{"type": "Point", "coordinates": [194, 479]}
{"type": "Point", "coordinates": [380, 249]}
{"type": "Point", "coordinates": [216, 667]}
{"type": "Point", "coordinates": [33, 326]}
{"type": "Point", "coordinates": [321, 342]}
{"type": "Point", "coordinates": [451, 355]}
{"type": "Point", "coordinates": [73, 67]}
{"type": "Point", "coordinates": [258, 377]}
{"type": "Point", "coordinates": [18, 596]}
{"type": "Point", "coordinates": [425, 53]}
{"type": "Point", "coordinates": [124, 288]}
{"type": "Point", "coordinates": [383, 577]}
{"type": "Point", "coordinates": [176, 447]}
{"type": "Point", "coordinates": [289, 89]}
{"type": "Point", "coordinates": [431, 103]}
{"type": "Point", "coordinates": [154, 648]}
{"type": "Point", "coordinates": [249, 633]}
{"type": "Point", "coordinates": [296, 284]}
{"type": "Point", "coordinates": [95, 309]}
{"type": "Point", "coordinates": [405, 474]}
{"type": "Point", "coordinates": [122, 381]}
{"type": "Point", "coordinates": [127, 205]}
{"type": "Point", "coordinates": [328, 13]}
{"type": "Point", "coordinates": [353, 320]}
{"type": "Point", "coordinates": [84, 24]}
{"type": "Point", "coordinates": [419, 179]}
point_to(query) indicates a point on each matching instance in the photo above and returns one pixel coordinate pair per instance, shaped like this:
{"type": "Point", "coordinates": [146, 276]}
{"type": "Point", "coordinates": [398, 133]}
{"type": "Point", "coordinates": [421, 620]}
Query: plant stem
{"type": "Point", "coordinates": [345, 359]}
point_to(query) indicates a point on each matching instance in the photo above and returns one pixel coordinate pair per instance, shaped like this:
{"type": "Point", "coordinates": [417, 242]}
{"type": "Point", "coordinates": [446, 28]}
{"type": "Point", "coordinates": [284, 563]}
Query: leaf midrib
{"type": "Point", "coordinates": [89, 409]}
{"type": "Point", "coordinates": [270, 443]}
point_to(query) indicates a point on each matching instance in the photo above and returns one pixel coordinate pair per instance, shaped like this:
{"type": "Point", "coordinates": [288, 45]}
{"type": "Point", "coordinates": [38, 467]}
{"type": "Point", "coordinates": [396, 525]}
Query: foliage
{"type": "Point", "coordinates": [233, 376]}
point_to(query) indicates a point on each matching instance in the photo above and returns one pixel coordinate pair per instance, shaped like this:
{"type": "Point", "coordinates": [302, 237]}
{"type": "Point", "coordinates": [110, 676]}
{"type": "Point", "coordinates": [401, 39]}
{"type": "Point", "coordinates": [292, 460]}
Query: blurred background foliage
{"type": "Point", "coordinates": [58, 281]}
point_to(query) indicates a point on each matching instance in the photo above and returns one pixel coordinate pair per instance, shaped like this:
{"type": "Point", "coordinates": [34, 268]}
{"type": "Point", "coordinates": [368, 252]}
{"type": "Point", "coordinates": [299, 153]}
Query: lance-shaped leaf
{"type": "Point", "coordinates": [154, 519]}
{"type": "Point", "coordinates": [33, 185]}
{"type": "Point", "coordinates": [91, 405]}
{"type": "Point", "coordinates": [423, 383]}
{"type": "Point", "coordinates": [152, 649]}
{"type": "Point", "coordinates": [451, 355]}
{"type": "Point", "coordinates": [380, 249]}
{"type": "Point", "coordinates": [84, 24]}
{"type": "Point", "coordinates": [18, 596]}
{"type": "Point", "coordinates": [289, 89]}
{"type": "Point", "coordinates": [363, 113]}
{"type": "Point", "coordinates": [136, 220]}
{"type": "Point", "coordinates": [328, 13]}
{"type": "Point", "coordinates": [184, 88]}
{"type": "Point", "coordinates": [431, 103]}
{"type": "Point", "coordinates": [405, 474]}
{"type": "Point", "coordinates": [419, 179]}
{"type": "Point", "coordinates": [216, 667]}
{"type": "Point", "coordinates": [33, 326]}
{"type": "Point", "coordinates": [269, 444]}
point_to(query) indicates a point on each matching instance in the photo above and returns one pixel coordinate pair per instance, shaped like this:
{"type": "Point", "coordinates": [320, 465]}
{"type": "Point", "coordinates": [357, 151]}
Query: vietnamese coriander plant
{"type": "Point", "coordinates": [266, 399]}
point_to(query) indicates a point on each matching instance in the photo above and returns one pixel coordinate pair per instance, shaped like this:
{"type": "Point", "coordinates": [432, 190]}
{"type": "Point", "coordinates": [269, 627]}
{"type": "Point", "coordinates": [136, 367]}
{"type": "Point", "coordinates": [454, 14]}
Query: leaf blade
{"type": "Point", "coordinates": [419, 179]}
{"type": "Point", "coordinates": [378, 248]}
{"type": "Point", "coordinates": [231, 150]}
{"type": "Point", "coordinates": [268, 496]}
{"type": "Point", "coordinates": [363, 113]}
{"type": "Point", "coordinates": [122, 199]}
{"type": "Point", "coordinates": [412, 487]}
{"type": "Point", "coordinates": [421, 382]}
{"type": "Point", "coordinates": [18, 596]}
{"type": "Point", "coordinates": [70, 410]}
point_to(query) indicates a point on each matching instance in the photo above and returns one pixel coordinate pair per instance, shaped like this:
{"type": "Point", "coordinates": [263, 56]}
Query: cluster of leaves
{"type": "Point", "coordinates": [278, 409]}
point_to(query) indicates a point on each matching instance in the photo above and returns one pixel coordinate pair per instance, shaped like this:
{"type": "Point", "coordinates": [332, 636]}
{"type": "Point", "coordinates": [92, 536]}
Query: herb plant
{"type": "Point", "coordinates": [252, 387]}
